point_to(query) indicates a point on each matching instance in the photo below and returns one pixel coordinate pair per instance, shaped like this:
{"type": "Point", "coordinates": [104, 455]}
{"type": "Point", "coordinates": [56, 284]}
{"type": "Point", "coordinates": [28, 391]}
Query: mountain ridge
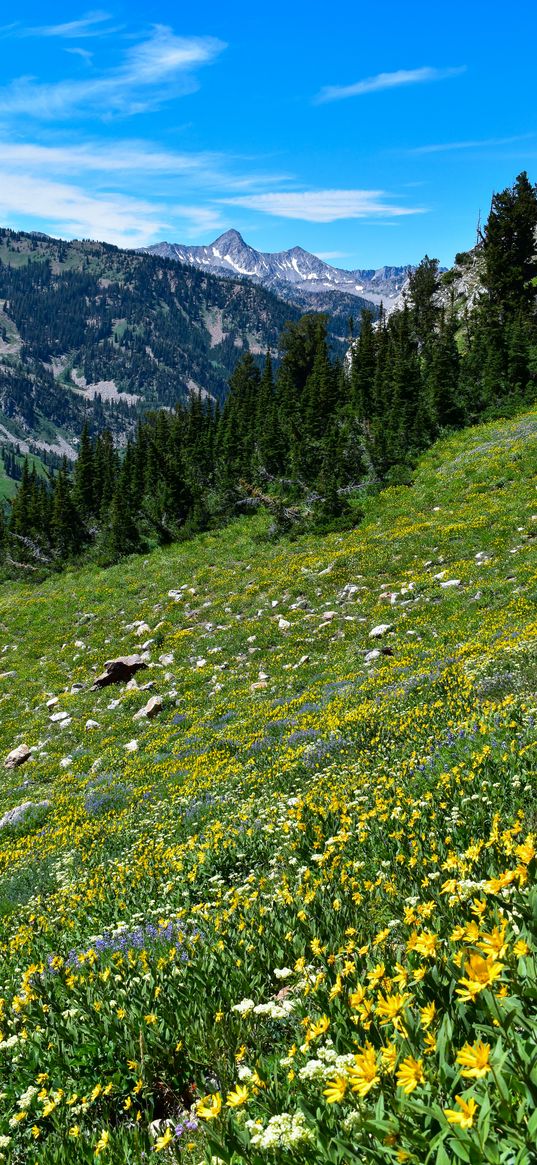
{"type": "Point", "coordinates": [296, 267]}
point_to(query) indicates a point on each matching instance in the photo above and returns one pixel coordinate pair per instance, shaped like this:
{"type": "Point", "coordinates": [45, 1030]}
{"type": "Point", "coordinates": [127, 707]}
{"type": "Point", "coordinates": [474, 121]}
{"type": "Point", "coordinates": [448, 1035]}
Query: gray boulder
{"type": "Point", "coordinates": [17, 815]}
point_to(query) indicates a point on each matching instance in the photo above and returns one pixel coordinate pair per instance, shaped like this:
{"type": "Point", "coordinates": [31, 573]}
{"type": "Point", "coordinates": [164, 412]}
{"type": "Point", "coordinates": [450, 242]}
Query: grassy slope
{"type": "Point", "coordinates": [309, 824]}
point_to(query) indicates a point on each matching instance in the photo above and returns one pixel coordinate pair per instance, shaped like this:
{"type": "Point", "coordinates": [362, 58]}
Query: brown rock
{"type": "Point", "coordinates": [118, 671]}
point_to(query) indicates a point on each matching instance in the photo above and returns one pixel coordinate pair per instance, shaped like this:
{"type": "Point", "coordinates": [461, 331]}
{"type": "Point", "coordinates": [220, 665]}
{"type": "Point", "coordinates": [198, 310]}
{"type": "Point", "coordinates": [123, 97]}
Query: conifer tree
{"type": "Point", "coordinates": [83, 484]}
{"type": "Point", "coordinates": [510, 246]}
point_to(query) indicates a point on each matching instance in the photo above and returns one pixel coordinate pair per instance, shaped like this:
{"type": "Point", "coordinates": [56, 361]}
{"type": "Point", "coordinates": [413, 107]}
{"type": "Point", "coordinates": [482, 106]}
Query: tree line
{"type": "Point", "coordinates": [308, 439]}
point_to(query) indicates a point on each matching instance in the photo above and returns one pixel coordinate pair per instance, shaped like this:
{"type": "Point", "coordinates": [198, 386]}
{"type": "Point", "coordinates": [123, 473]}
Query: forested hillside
{"type": "Point", "coordinates": [87, 330]}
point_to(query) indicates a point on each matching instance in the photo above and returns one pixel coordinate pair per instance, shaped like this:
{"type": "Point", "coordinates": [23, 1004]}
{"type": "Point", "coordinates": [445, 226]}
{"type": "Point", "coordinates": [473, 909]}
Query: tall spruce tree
{"type": "Point", "coordinates": [510, 246]}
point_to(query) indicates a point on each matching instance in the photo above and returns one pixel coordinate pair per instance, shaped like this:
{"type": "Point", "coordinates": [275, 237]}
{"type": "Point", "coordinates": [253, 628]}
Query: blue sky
{"type": "Point", "coordinates": [366, 133]}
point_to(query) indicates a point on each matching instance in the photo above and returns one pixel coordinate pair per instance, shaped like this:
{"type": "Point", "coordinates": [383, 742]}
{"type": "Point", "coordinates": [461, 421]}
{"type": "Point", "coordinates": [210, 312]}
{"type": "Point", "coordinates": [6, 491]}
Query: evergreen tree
{"type": "Point", "coordinates": [67, 532]}
{"type": "Point", "coordinates": [84, 475]}
{"type": "Point", "coordinates": [510, 246]}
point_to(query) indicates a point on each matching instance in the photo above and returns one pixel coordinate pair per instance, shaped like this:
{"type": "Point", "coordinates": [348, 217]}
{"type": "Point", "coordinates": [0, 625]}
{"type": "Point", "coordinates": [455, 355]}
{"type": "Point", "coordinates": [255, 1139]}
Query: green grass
{"type": "Point", "coordinates": [345, 835]}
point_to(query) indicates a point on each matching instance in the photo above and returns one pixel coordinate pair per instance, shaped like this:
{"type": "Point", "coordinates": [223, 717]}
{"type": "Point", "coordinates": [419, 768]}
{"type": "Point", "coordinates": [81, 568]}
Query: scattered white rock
{"type": "Point", "coordinates": [166, 659]}
{"type": "Point", "coordinates": [451, 582]}
{"type": "Point", "coordinates": [327, 616]}
{"type": "Point", "coordinates": [52, 702]}
{"type": "Point", "coordinates": [131, 746]}
{"type": "Point", "coordinates": [283, 624]}
{"type": "Point", "coordinates": [142, 629]}
{"type": "Point", "coordinates": [388, 597]}
{"type": "Point", "coordinates": [380, 630]}
{"type": "Point", "coordinates": [18, 756]}
{"type": "Point", "coordinates": [57, 717]}
{"type": "Point", "coordinates": [372, 655]}
{"type": "Point", "coordinates": [152, 708]}
{"type": "Point", "coordinates": [92, 724]}
{"type": "Point", "coordinates": [258, 686]}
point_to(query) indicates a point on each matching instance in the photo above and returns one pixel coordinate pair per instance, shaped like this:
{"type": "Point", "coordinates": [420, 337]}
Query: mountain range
{"type": "Point", "coordinates": [295, 275]}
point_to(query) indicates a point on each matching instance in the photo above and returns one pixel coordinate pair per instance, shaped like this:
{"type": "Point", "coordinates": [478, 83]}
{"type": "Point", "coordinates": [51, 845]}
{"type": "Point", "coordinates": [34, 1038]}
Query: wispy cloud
{"type": "Point", "coordinates": [159, 67]}
{"type": "Point", "coordinates": [327, 255]}
{"type": "Point", "coordinates": [198, 220]}
{"type": "Point", "coordinates": [115, 218]}
{"type": "Point", "coordinates": [112, 217]}
{"type": "Point", "coordinates": [89, 25]}
{"type": "Point", "coordinates": [135, 160]}
{"type": "Point", "coordinates": [386, 81]}
{"type": "Point", "coordinates": [476, 143]}
{"type": "Point", "coordinates": [324, 205]}
{"type": "Point", "coordinates": [78, 52]}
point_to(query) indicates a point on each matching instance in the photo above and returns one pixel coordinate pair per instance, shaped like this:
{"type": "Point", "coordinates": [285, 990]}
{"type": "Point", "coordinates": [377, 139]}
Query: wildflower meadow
{"type": "Point", "coordinates": [292, 916]}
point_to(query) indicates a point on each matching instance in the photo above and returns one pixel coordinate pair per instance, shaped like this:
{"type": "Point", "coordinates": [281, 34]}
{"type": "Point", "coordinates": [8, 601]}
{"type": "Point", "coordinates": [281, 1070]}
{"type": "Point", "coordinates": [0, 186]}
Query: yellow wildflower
{"type": "Point", "coordinates": [209, 1107]}
{"type": "Point", "coordinates": [409, 1074]}
{"type": "Point", "coordinates": [335, 1090]}
{"type": "Point", "coordinates": [363, 1074]}
{"type": "Point", "coordinates": [163, 1141]}
{"type": "Point", "coordinates": [389, 1007]}
{"type": "Point", "coordinates": [475, 1059]}
{"type": "Point", "coordinates": [480, 974]}
{"type": "Point", "coordinates": [427, 1014]}
{"type": "Point", "coordinates": [464, 1115]}
{"type": "Point", "coordinates": [237, 1097]}
{"type": "Point", "coordinates": [102, 1143]}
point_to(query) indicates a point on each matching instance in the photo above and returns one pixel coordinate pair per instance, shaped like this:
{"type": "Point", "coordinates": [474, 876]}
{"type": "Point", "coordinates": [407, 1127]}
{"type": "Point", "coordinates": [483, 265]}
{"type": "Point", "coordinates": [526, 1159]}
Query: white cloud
{"type": "Point", "coordinates": [113, 218]}
{"type": "Point", "coordinates": [128, 157]}
{"type": "Point", "coordinates": [152, 70]}
{"type": "Point", "coordinates": [327, 255]}
{"type": "Point", "coordinates": [78, 52]}
{"type": "Point", "coordinates": [385, 81]}
{"type": "Point", "coordinates": [323, 205]}
{"type": "Point", "coordinates": [135, 161]}
{"type": "Point", "coordinates": [198, 220]}
{"type": "Point", "coordinates": [477, 143]}
{"type": "Point", "coordinates": [88, 25]}
{"type": "Point", "coordinates": [72, 212]}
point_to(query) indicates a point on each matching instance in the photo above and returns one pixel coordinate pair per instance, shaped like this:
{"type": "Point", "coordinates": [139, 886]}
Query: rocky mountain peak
{"type": "Point", "coordinates": [295, 271]}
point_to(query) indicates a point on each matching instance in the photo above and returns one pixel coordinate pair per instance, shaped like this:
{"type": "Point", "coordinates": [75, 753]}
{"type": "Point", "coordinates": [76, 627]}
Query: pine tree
{"type": "Point", "coordinates": [510, 246]}
{"type": "Point", "coordinates": [67, 532]}
{"type": "Point", "coordinates": [83, 484]}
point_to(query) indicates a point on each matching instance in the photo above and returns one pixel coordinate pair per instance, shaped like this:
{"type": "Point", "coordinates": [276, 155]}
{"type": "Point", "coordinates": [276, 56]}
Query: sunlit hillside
{"type": "Point", "coordinates": [286, 914]}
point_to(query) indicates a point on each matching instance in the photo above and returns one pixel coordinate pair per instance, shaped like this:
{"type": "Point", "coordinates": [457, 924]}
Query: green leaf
{"type": "Point", "coordinates": [460, 1150]}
